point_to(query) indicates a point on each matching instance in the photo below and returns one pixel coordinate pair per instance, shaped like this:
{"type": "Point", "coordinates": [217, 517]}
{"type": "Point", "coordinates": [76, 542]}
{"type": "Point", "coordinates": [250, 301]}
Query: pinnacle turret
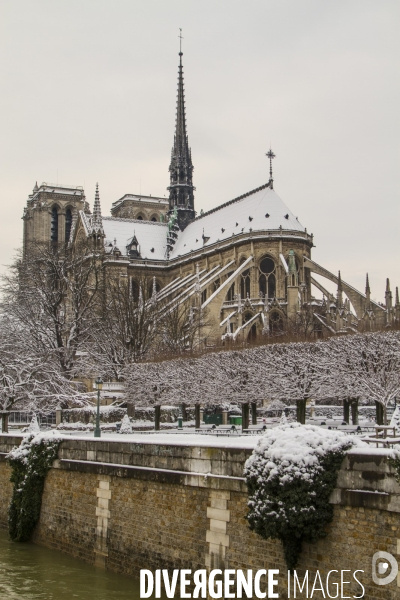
{"type": "Point", "coordinates": [181, 168]}
{"type": "Point", "coordinates": [97, 223]}
{"type": "Point", "coordinates": [339, 291]}
{"type": "Point", "coordinates": [367, 288]}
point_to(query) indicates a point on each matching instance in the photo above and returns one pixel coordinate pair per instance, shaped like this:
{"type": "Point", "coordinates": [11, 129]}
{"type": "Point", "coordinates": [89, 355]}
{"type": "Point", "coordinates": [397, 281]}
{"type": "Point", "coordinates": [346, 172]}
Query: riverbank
{"type": "Point", "coordinates": [174, 502]}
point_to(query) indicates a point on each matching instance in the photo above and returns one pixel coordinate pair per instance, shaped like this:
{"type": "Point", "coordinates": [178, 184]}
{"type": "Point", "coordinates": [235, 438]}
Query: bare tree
{"type": "Point", "coordinates": [30, 378]}
{"type": "Point", "coordinates": [125, 330]}
{"type": "Point", "coordinates": [181, 327]}
{"type": "Point", "coordinates": [52, 292]}
{"type": "Point", "coordinates": [366, 367]}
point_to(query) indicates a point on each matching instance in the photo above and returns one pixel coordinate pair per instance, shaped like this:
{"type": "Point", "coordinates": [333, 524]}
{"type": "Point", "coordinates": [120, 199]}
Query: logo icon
{"type": "Point", "coordinates": [385, 564]}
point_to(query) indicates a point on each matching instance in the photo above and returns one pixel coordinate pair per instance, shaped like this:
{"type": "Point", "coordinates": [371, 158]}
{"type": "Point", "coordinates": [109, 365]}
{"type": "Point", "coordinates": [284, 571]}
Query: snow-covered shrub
{"type": "Point", "coordinates": [126, 426]}
{"type": "Point", "coordinates": [33, 426]}
{"type": "Point", "coordinates": [290, 476]}
{"type": "Point", "coordinates": [30, 463]}
{"type": "Point", "coordinates": [87, 414]}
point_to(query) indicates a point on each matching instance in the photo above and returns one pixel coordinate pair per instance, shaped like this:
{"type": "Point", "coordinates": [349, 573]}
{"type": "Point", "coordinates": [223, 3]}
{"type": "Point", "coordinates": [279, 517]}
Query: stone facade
{"type": "Point", "coordinates": [151, 506]}
{"type": "Point", "coordinates": [141, 208]}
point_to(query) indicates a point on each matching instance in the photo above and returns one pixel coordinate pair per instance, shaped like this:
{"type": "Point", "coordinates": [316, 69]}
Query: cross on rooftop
{"type": "Point", "coordinates": [270, 155]}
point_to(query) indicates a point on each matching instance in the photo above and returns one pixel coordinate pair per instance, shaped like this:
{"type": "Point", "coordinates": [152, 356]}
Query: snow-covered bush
{"type": "Point", "coordinates": [126, 426]}
{"type": "Point", "coordinates": [30, 463]}
{"type": "Point", "coordinates": [290, 476]}
{"type": "Point", "coordinates": [33, 426]}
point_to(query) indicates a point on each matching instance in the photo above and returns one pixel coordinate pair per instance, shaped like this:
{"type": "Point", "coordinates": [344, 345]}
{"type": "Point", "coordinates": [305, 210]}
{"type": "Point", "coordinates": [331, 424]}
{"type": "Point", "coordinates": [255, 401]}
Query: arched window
{"type": "Point", "coordinates": [54, 225]}
{"type": "Point", "coordinates": [158, 288]}
{"type": "Point", "coordinates": [154, 219]}
{"type": "Point", "coordinates": [135, 290]}
{"type": "Point", "coordinates": [140, 218]}
{"type": "Point", "coordinates": [275, 322]}
{"type": "Point", "coordinates": [245, 284]}
{"type": "Point", "coordinates": [68, 224]}
{"type": "Point", "coordinates": [267, 277]}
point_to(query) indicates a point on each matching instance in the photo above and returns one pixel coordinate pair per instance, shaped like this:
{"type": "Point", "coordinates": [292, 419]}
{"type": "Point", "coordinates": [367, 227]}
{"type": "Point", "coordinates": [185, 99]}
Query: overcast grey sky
{"type": "Point", "coordinates": [89, 90]}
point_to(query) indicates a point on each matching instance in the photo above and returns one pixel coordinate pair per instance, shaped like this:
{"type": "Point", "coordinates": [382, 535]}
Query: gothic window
{"type": "Point", "coordinates": [154, 219]}
{"type": "Point", "coordinates": [217, 283]}
{"type": "Point", "coordinates": [275, 322]}
{"type": "Point", "coordinates": [245, 284]}
{"type": "Point", "coordinates": [203, 296]}
{"type": "Point", "coordinates": [54, 225]}
{"type": "Point", "coordinates": [140, 218]}
{"type": "Point", "coordinates": [135, 290]}
{"type": "Point", "coordinates": [158, 288]}
{"type": "Point", "coordinates": [68, 223]}
{"type": "Point", "coordinates": [267, 277]}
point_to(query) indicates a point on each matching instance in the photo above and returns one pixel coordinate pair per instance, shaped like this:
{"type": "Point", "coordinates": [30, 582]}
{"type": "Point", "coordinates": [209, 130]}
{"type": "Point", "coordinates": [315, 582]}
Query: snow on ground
{"type": "Point", "coordinates": [175, 439]}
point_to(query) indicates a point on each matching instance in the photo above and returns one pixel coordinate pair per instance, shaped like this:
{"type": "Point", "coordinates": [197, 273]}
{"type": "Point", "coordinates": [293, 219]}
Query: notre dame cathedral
{"type": "Point", "coordinates": [248, 261]}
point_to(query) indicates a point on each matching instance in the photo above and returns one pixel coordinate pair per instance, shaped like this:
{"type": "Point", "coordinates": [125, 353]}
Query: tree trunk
{"type": "Point", "coordinates": [346, 411]}
{"type": "Point", "coordinates": [254, 413]}
{"type": "Point", "coordinates": [379, 413]}
{"type": "Point", "coordinates": [4, 422]}
{"type": "Point", "coordinates": [197, 416]}
{"type": "Point", "coordinates": [131, 409]}
{"type": "Point", "coordinates": [245, 415]}
{"type": "Point", "coordinates": [184, 415]}
{"type": "Point", "coordinates": [354, 412]}
{"type": "Point", "coordinates": [157, 415]}
{"type": "Point", "coordinates": [301, 411]}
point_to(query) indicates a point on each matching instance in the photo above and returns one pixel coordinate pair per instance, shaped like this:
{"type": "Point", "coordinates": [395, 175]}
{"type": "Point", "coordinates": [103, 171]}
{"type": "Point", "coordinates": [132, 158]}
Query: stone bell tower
{"type": "Point", "coordinates": [50, 211]}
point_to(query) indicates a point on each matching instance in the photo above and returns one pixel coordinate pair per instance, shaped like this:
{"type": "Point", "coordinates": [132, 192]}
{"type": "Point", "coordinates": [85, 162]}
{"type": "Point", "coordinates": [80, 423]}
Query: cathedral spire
{"type": "Point", "coordinates": [181, 168]}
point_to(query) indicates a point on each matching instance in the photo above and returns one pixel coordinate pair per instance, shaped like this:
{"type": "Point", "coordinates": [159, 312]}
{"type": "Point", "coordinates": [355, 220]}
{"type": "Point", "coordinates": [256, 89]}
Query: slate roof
{"type": "Point", "coordinates": [148, 233]}
{"type": "Point", "coordinates": [259, 210]}
{"type": "Point", "coordinates": [237, 216]}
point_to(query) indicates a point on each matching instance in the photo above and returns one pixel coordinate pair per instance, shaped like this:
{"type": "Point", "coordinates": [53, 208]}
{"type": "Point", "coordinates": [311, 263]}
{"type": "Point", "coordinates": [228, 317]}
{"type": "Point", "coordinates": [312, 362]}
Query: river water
{"type": "Point", "coordinates": [30, 572]}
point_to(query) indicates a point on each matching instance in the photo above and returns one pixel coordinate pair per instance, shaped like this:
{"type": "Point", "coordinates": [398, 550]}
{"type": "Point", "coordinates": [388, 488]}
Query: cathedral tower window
{"type": "Point", "coordinates": [68, 224]}
{"type": "Point", "coordinates": [54, 225]}
{"type": "Point", "coordinates": [267, 277]}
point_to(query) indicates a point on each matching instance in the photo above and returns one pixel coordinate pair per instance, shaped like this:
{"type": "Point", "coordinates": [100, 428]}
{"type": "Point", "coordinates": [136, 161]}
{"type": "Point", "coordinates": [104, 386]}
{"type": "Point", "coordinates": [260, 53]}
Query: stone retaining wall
{"type": "Point", "coordinates": [150, 506]}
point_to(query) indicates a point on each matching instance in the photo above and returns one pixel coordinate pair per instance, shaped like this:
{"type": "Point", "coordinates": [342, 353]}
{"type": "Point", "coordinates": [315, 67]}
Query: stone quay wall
{"type": "Point", "coordinates": [127, 506]}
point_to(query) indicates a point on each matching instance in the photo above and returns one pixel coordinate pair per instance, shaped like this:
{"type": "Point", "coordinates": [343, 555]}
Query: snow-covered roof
{"type": "Point", "coordinates": [261, 210]}
{"type": "Point", "coordinates": [139, 198]}
{"type": "Point", "coordinates": [148, 233]}
{"type": "Point", "coordinates": [58, 189]}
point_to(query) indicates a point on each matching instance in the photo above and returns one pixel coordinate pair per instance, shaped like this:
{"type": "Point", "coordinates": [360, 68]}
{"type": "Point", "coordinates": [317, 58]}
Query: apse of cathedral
{"type": "Point", "coordinates": [247, 262]}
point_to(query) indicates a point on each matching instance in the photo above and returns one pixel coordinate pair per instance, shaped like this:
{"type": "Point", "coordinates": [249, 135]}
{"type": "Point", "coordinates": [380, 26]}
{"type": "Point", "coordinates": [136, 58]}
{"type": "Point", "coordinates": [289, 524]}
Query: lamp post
{"type": "Point", "coordinates": [99, 384]}
{"type": "Point", "coordinates": [180, 417]}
